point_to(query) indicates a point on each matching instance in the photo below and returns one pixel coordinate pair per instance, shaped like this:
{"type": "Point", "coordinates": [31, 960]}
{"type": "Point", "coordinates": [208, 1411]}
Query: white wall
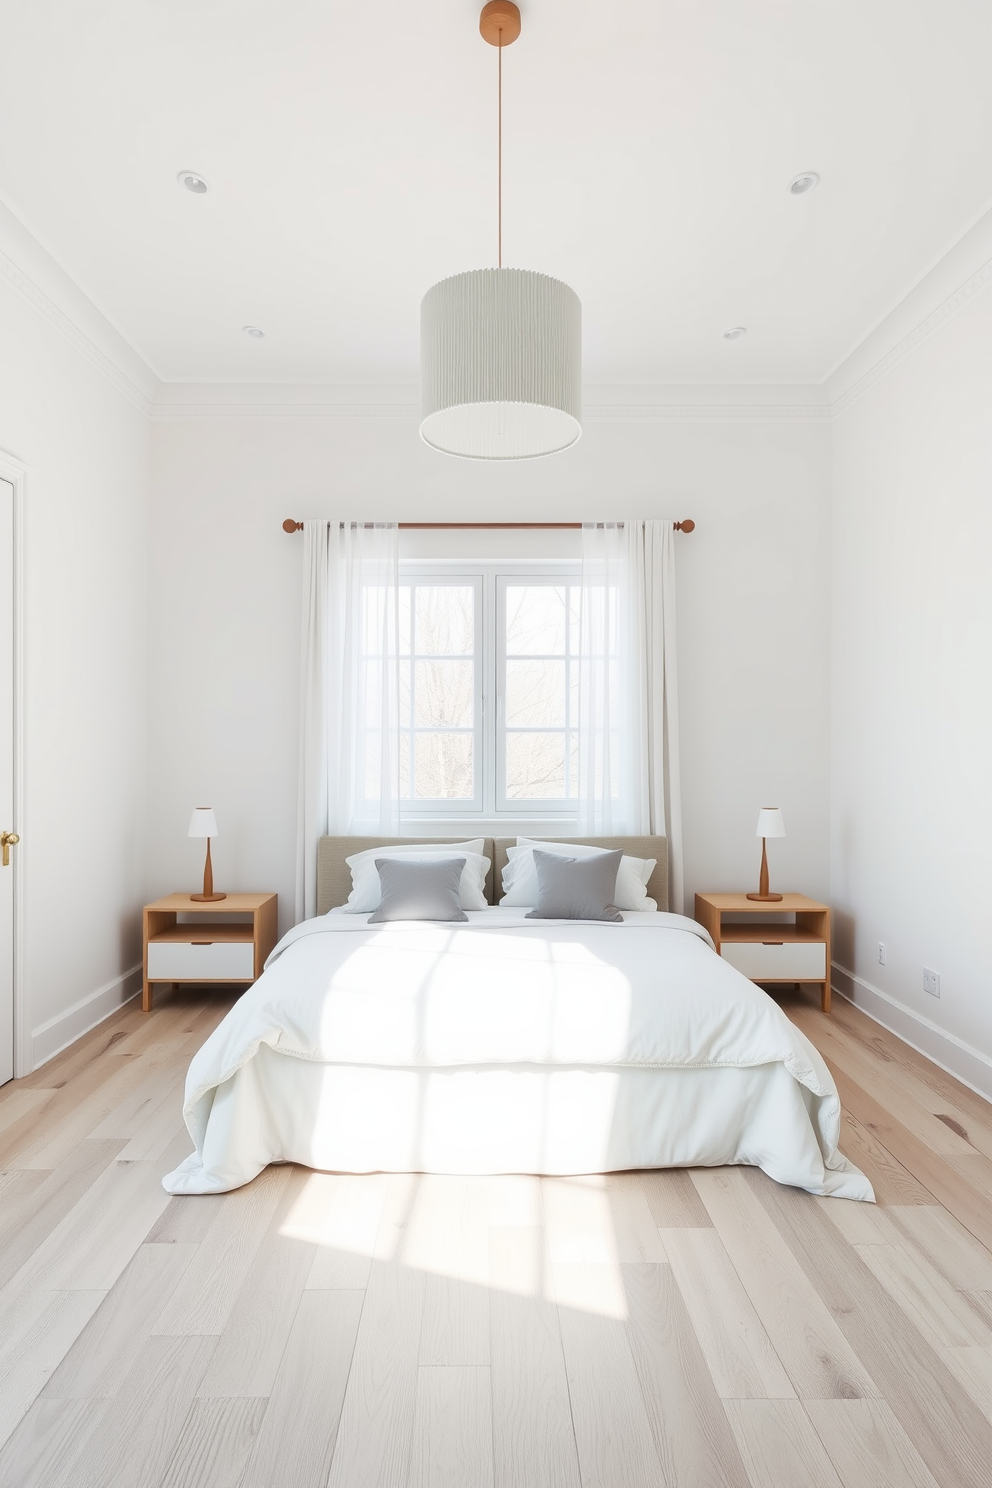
{"type": "Point", "coordinates": [912, 690]}
{"type": "Point", "coordinates": [85, 445]}
{"type": "Point", "coordinates": [224, 593]}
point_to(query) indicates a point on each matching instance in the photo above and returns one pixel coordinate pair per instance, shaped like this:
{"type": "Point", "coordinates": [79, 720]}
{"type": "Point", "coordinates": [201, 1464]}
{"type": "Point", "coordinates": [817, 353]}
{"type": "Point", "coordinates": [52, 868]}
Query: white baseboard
{"type": "Point", "coordinates": [960, 1059]}
{"type": "Point", "coordinates": [58, 1033]}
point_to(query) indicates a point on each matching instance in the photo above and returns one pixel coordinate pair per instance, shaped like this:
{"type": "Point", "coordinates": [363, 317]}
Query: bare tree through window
{"type": "Point", "coordinates": [541, 639]}
{"type": "Point", "coordinates": [437, 691]}
{"type": "Point", "coordinates": [528, 746]}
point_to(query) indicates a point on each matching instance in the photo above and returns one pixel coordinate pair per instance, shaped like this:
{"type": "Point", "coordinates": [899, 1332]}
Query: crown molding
{"type": "Point", "coordinates": [916, 338]}
{"type": "Point", "coordinates": [676, 413]}
{"type": "Point", "coordinates": [185, 412]}
{"type": "Point", "coordinates": [604, 403]}
{"type": "Point", "coordinates": [948, 287]}
{"type": "Point", "coordinates": [671, 413]}
{"type": "Point", "coordinates": [116, 374]}
{"type": "Point", "coordinates": [31, 273]}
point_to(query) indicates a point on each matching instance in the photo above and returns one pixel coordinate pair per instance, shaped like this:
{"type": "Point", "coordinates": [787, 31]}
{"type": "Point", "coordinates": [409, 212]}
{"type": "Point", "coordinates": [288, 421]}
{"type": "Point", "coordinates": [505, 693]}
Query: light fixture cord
{"type": "Point", "coordinates": [499, 173]}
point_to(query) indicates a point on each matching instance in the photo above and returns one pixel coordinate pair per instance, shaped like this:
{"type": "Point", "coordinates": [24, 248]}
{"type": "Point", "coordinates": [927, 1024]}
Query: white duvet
{"type": "Point", "coordinates": [507, 1045]}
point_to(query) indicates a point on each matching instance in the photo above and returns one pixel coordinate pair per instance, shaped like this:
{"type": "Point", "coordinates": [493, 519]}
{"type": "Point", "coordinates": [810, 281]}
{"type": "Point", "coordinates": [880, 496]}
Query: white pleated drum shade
{"type": "Point", "coordinates": [501, 365]}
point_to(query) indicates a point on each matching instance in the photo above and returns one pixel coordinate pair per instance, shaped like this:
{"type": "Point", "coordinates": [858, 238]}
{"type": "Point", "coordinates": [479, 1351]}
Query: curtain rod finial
{"type": "Point", "coordinates": [292, 526]}
{"type": "Point", "coordinates": [687, 526]}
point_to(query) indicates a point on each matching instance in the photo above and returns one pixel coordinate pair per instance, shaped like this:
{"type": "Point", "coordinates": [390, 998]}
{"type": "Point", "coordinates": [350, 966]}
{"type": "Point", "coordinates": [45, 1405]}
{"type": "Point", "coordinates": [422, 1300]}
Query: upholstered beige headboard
{"type": "Point", "coordinates": [334, 875]}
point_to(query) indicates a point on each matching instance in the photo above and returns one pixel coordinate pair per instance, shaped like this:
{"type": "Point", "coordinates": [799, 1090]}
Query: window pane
{"type": "Point", "coordinates": [444, 767]}
{"type": "Point", "coordinates": [535, 694]}
{"type": "Point", "coordinates": [444, 694]}
{"type": "Point", "coordinates": [445, 619]}
{"type": "Point", "coordinates": [535, 619]}
{"type": "Point", "coordinates": [535, 766]}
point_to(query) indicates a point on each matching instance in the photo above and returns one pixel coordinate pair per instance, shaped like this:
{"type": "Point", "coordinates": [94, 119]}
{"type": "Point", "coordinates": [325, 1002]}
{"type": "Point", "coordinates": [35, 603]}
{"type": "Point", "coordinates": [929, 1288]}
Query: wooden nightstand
{"type": "Point", "coordinates": [204, 949]}
{"type": "Point", "coordinates": [767, 952]}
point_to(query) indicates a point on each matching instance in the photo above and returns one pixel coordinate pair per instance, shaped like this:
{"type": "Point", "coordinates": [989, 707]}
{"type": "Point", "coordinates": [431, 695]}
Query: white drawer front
{"type": "Point", "coordinates": [221, 960]}
{"type": "Point", "coordinates": [798, 961]}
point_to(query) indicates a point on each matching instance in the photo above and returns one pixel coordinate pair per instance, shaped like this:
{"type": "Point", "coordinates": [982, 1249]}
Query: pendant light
{"type": "Point", "coordinates": [500, 349]}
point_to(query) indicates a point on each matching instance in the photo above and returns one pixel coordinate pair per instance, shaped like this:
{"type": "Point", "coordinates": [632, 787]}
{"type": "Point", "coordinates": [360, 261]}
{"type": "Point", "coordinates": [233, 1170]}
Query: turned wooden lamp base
{"type": "Point", "coordinates": [762, 896]}
{"type": "Point", "coordinates": [208, 896]}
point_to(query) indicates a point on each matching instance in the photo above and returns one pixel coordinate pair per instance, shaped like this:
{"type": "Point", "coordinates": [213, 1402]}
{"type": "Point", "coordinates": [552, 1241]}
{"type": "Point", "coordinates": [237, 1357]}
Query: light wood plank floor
{"type": "Point", "coordinates": [703, 1329]}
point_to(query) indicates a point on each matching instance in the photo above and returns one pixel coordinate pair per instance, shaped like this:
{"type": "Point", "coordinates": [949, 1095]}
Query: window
{"type": "Point", "coordinates": [440, 696]}
{"type": "Point", "coordinates": [488, 679]}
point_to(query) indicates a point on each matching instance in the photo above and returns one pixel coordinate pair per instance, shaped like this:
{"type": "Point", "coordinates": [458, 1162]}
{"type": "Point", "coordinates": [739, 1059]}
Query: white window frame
{"type": "Point", "coordinates": [491, 580]}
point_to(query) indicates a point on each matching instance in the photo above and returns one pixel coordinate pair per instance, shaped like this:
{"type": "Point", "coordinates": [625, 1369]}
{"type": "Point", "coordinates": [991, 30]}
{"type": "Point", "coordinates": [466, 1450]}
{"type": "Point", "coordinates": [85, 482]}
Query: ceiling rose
{"type": "Point", "coordinates": [500, 349]}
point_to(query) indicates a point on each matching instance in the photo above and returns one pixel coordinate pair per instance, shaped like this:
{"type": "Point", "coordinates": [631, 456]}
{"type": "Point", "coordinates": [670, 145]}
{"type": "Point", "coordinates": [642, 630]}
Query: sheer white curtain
{"type": "Point", "coordinates": [628, 735]}
{"type": "Point", "coordinates": [350, 706]}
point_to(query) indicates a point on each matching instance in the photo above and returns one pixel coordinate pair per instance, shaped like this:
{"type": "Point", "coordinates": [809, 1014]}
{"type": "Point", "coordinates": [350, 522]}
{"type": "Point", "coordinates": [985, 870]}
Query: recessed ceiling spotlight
{"type": "Point", "coordinates": [799, 185]}
{"type": "Point", "coordinates": [193, 182]}
{"type": "Point", "coordinates": [735, 333]}
{"type": "Point", "coordinates": [253, 331]}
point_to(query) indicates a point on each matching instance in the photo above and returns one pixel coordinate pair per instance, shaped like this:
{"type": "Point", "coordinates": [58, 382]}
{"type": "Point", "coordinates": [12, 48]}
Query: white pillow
{"type": "Point", "coordinates": [520, 875]}
{"type": "Point", "coordinates": [366, 890]}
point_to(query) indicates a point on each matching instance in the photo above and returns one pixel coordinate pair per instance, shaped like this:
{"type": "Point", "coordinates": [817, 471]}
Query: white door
{"type": "Point", "coordinates": [7, 824]}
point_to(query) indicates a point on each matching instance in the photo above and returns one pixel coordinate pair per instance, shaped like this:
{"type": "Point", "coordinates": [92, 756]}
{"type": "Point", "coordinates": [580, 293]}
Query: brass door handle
{"type": "Point", "coordinates": [7, 841]}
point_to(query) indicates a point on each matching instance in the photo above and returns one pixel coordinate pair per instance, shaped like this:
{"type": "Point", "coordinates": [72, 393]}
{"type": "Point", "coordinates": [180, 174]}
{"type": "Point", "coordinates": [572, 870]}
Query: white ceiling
{"type": "Point", "coordinates": [350, 148]}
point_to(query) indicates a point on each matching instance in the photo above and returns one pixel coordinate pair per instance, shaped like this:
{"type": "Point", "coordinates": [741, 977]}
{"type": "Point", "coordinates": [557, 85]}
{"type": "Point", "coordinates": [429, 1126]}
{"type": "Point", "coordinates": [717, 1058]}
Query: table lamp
{"type": "Point", "coordinates": [203, 823]}
{"type": "Point", "coordinates": [770, 824]}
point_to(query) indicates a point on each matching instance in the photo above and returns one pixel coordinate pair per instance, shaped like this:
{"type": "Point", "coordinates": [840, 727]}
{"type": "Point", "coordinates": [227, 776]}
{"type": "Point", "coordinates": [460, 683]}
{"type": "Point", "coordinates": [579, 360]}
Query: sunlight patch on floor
{"type": "Point", "coordinates": [550, 1239]}
{"type": "Point", "coordinates": [340, 1210]}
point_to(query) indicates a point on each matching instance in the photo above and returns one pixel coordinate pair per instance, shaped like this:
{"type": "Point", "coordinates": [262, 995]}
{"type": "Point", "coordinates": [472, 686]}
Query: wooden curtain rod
{"type": "Point", "coordinates": [291, 525]}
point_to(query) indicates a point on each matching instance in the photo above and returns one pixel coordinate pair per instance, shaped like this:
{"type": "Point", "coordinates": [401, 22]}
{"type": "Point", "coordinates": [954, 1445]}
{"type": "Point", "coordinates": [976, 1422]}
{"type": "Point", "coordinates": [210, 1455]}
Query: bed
{"type": "Point", "coordinates": [507, 1044]}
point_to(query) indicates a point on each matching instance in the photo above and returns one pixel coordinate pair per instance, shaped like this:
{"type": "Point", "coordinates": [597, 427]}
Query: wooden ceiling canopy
{"type": "Point", "coordinates": [500, 22]}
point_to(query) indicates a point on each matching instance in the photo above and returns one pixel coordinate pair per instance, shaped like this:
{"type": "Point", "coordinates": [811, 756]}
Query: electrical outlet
{"type": "Point", "coordinates": [931, 981]}
{"type": "Point", "coordinates": [881, 953]}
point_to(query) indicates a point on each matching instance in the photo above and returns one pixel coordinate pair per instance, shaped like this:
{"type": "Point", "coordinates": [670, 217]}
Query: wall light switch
{"type": "Point", "coordinates": [881, 953]}
{"type": "Point", "coordinates": [931, 981]}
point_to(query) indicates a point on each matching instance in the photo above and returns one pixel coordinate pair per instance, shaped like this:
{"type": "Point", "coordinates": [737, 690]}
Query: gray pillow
{"type": "Point", "coordinates": [576, 888]}
{"type": "Point", "coordinates": [419, 890]}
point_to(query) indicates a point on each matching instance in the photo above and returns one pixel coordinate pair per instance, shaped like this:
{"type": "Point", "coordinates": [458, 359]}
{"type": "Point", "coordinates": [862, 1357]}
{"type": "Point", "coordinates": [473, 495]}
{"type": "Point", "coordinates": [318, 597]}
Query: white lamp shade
{"type": "Point", "coordinates": [770, 822]}
{"type": "Point", "coordinates": [501, 365]}
{"type": "Point", "coordinates": [203, 823]}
